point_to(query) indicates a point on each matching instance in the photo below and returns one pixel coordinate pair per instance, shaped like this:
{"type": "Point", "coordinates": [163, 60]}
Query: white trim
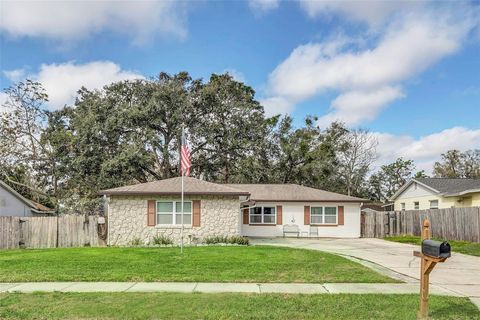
{"type": "Point", "coordinates": [408, 184]}
{"type": "Point", "coordinates": [461, 193]}
{"type": "Point", "coordinates": [262, 215]}
{"type": "Point", "coordinates": [323, 216]}
{"type": "Point", "coordinates": [173, 214]}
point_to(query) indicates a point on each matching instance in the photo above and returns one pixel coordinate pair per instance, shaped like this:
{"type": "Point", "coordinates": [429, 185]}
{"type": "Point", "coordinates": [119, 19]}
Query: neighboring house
{"type": "Point", "coordinates": [371, 207]}
{"type": "Point", "coordinates": [143, 211]}
{"type": "Point", "coordinates": [437, 193]}
{"type": "Point", "coordinates": [13, 203]}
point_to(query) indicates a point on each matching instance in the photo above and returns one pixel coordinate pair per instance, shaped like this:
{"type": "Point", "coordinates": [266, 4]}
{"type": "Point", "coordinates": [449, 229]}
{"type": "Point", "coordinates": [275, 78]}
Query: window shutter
{"type": "Point", "coordinates": [340, 215]}
{"type": "Point", "coordinates": [245, 216]}
{"type": "Point", "coordinates": [196, 213]}
{"type": "Point", "coordinates": [279, 215]}
{"type": "Point", "coordinates": [306, 215]}
{"type": "Point", "coordinates": [151, 208]}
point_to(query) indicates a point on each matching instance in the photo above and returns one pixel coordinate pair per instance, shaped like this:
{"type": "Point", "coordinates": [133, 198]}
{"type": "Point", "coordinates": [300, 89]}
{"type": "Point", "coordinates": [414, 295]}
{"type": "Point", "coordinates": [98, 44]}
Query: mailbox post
{"type": "Point", "coordinates": [432, 253]}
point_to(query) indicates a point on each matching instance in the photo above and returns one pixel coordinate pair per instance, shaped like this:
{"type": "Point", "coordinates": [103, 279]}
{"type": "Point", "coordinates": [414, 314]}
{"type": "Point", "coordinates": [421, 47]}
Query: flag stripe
{"type": "Point", "coordinates": [185, 157]}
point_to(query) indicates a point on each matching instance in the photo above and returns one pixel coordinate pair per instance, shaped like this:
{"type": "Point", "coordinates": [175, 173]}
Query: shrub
{"type": "Point", "coordinates": [239, 240]}
{"type": "Point", "coordinates": [162, 240]}
{"type": "Point", "coordinates": [136, 242]}
{"type": "Point", "coordinates": [224, 239]}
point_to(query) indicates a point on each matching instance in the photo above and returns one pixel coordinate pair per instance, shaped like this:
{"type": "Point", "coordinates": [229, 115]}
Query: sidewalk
{"type": "Point", "coordinates": [212, 287]}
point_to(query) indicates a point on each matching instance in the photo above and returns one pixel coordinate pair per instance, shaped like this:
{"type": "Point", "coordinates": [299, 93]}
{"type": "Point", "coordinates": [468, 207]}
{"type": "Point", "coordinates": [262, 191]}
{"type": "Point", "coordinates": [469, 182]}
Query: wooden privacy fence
{"type": "Point", "coordinates": [49, 232]}
{"type": "Point", "coordinates": [461, 224]}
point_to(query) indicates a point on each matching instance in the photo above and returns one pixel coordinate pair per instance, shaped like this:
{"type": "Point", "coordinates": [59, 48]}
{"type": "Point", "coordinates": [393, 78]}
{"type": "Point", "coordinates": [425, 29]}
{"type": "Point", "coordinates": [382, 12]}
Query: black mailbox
{"type": "Point", "coordinates": [436, 249]}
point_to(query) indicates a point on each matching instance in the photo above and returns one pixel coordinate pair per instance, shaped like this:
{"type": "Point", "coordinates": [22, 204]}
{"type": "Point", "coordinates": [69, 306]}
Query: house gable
{"type": "Point", "coordinates": [415, 190]}
{"type": "Point", "coordinates": [11, 205]}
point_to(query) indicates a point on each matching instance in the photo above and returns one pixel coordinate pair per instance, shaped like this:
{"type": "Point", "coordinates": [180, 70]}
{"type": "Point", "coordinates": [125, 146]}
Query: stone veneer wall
{"type": "Point", "coordinates": [127, 217]}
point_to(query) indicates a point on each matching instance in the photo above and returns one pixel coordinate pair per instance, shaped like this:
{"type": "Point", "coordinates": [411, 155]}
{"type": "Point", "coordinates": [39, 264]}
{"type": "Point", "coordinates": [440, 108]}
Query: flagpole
{"type": "Point", "coordinates": [181, 233]}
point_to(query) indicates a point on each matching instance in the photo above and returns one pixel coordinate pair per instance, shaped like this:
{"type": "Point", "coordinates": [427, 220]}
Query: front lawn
{"type": "Point", "coordinates": [196, 264]}
{"type": "Point", "coordinates": [226, 306]}
{"type": "Point", "coordinates": [465, 247]}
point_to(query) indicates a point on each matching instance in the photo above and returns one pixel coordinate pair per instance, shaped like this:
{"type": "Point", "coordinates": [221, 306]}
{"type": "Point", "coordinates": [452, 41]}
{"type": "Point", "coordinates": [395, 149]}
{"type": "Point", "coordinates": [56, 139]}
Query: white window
{"type": "Point", "coordinates": [323, 215]}
{"type": "Point", "coordinates": [416, 205]}
{"type": "Point", "coordinates": [262, 215]}
{"type": "Point", "coordinates": [170, 212]}
{"type": "Point", "coordinates": [433, 204]}
{"type": "Point", "coordinates": [403, 206]}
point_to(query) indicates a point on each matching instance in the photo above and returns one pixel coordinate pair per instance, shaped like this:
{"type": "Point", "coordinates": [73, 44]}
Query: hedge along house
{"type": "Point", "coordinates": [143, 211]}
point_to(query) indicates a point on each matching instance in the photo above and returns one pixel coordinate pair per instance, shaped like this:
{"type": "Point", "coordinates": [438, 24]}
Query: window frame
{"type": "Point", "coordinates": [174, 213]}
{"type": "Point", "coordinates": [433, 201]}
{"type": "Point", "coordinates": [416, 205]}
{"type": "Point", "coordinates": [323, 215]}
{"type": "Point", "coordinates": [402, 206]}
{"type": "Point", "coordinates": [262, 215]}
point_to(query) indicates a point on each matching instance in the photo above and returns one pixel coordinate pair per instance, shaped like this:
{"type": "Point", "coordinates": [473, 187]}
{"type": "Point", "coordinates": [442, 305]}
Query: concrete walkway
{"type": "Point", "coordinates": [460, 274]}
{"type": "Point", "coordinates": [209, 287]}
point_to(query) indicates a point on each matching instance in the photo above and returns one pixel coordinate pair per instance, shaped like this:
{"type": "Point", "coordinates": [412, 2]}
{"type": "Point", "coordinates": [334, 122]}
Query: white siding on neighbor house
{"type": "Point", "coordinates": [415, 190]}
{"type": "Point", "coordinates": [12, 206]}
{"type": "Point", "coordinates": [293, 213]}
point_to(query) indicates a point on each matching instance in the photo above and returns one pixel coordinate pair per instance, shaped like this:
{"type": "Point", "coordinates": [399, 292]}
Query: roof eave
{"type": "Point", "coordinates": [461, 193]}
{"type": "Point", "coordinates": [310, 200]}
{"type": "Point", "coordinates": [157, 193]}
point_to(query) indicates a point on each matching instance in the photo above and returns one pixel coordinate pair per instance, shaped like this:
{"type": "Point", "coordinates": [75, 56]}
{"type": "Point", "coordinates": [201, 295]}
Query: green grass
{"type": "Point", "coordinates": [465, 247]}
{"type": "Point", "coordinates": [226, 306]}
{"type": "Point", "coordinates": [202, 264]}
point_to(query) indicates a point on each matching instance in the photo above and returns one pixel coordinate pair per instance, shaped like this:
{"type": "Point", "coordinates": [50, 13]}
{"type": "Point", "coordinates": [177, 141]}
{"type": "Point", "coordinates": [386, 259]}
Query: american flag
{"type": "Point", "coordinates": [185, 157]}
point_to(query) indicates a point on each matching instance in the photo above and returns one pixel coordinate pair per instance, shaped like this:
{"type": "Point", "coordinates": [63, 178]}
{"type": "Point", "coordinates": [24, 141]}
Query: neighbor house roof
{"type": "Point", "coordinates": [173, 186]}
{"type": "Point", "coordinates": [447, 187]}
{"type": "Point", "coordinates": [292, 193]}
{"type": "Point", "coordinates": [35, 206]}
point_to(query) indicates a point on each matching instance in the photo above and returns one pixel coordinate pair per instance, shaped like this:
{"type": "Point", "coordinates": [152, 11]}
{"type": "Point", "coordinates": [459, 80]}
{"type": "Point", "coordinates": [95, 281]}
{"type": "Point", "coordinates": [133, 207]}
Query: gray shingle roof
{"type": "Point", "coordinates": [173, 186]}
{"type": "Point", "coordinates": [450, 186]}
{"type": "Point", "coordinates": [292, 192]}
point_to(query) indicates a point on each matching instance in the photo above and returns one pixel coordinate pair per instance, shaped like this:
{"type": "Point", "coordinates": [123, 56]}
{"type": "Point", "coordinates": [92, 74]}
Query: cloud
{"type": "Point", "coordinates": [237, 75]}
{"type": "Point", "coordinates": [67, 20]}
{"type": "Point", "coordinates": [372, 12]}
{"type": "Point", "coordinates": [15, 75]}
{"type": "Point", "coordinates": [260, 7]}
{"type": "Point", "coordinates": [3, 101]}
{"type": "Point", "coordinates": [62, 81]}
{"type": "Point", "coordinates": [427, 149]}
{"type": "Point", "coordinates": [276, 105]}
{"type": "Point", "coordinates": [355, 106]}
{"type": "Point", "coordinates": [367, 78]}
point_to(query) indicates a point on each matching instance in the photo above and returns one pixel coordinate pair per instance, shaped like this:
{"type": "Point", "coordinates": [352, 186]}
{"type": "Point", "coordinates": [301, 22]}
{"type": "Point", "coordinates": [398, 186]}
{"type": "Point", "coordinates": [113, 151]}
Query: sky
{"type": "Point", "coordinates": [408, 71]}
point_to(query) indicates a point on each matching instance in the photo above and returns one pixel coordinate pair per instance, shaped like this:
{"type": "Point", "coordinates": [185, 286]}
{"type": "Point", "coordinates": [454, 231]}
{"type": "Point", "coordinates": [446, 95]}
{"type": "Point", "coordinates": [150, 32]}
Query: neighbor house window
{"type": "Point", "coordinates": [170, 212]}
{"type": "Point", "coordinates": [323, 215]}
{"type": "Point", "coordinates": [403, 206]}
{"type": "Point", "coordinates": [433, 204]}
{"type": "Point", "coordinates": [416, 205]}
{"type": "Point", "coordinates": [262, 215]}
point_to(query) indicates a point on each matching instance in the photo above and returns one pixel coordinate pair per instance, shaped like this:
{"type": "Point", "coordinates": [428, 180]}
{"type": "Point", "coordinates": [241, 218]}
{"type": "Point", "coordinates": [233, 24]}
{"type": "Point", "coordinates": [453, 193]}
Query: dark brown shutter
{"type": "Point", "coordinates": [245, 216]}
{"type": "Point", "coordinates": [279, 215]}
{"type": "Point", "coordinates": [340, 215]}
{"type": "Point", "coordinates": [306, 215]}
{"type": "Point", "coordinates": [196, 213]}
{"type": "Point", "coordinates": [151, 208]}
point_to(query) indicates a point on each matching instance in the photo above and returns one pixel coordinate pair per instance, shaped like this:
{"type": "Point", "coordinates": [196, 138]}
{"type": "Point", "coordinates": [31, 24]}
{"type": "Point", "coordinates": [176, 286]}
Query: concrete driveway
{"type": "Point", "coordinates": [460, 273]}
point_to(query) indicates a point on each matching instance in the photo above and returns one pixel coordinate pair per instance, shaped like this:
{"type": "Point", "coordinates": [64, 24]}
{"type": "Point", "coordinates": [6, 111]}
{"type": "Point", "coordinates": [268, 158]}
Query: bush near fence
{"type": "Point", "coordinates": [462, 224]}
{"type": "Point", "coordinates": [49, 232]}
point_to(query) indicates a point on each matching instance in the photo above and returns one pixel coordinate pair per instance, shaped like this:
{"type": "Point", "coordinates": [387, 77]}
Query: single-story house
{"type": "Point", "coordinates": [13, 203]}
{"type": "Point", "coordinates": [143, 211]}
{"type": "Point", "coordinates": [437, 193]}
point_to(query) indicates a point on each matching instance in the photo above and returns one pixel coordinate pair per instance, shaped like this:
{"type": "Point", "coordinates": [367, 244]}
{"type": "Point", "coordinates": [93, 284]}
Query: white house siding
{"type": "Point", "coordinates": [11, 205]}
{"type": "Point", "coordinates": [127, 217]}
{"type": "Point", "coordinates": [416, 190]}
{"type": "Point", "coordinates": [293, 213]}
